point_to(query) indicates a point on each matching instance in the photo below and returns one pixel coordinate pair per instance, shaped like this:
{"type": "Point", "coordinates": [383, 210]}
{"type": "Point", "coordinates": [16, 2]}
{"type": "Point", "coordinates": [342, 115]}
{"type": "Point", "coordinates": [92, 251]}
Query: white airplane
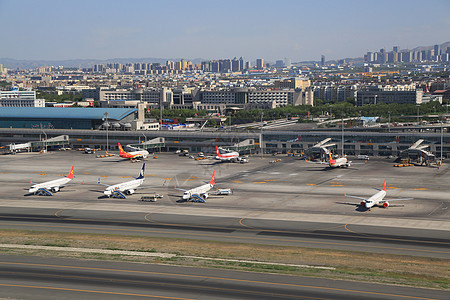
{"type": "Point", "coordinates": [230, 156]}
{"type": "Point", "coordinates": [377, 199]}
{"type": "Point", "coordinates": [199, 194]}
{"type": "Point", "coordinates": [133, 155]}
{"type": "Point", "coordinates": [120, 190]}
{"type": "Point", "coordinates": [341, 162]}
{"type": "Point", "coordinates": [50, 187]}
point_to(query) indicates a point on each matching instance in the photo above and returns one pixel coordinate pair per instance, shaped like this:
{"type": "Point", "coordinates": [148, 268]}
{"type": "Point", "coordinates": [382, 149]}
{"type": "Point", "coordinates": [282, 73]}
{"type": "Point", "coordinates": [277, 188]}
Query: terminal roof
{"type": "Point", "coordinates": [64, 113]}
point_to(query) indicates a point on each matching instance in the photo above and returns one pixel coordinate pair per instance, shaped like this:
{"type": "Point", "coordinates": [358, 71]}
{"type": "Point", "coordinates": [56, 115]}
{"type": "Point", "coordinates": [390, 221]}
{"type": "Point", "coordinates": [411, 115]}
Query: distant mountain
{"type": "Point", "coordinates": [443, 47]}
{"type": "Point", "coordinates": [11, 63]}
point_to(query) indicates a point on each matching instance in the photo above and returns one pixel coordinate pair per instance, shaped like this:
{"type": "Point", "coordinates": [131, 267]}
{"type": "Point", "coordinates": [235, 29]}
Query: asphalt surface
{"type": "Point", "coordinates": [56, 278]}
{"type": "Point", "coordinates": [289, 202]}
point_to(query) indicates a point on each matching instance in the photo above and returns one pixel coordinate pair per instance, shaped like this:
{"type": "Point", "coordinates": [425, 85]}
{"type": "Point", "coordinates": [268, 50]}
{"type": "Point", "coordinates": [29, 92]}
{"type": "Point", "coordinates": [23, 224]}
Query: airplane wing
{"type": "Point", "coordinates": [98, 182]}
{"type": "Point", "coordinates": [356, 197]}
{"type": "Point", "coordinates": [317, 162]}
{"type": "Point", "coordinates": [180, 189]}
{"type": "Point", "coordinates": [397, 199]}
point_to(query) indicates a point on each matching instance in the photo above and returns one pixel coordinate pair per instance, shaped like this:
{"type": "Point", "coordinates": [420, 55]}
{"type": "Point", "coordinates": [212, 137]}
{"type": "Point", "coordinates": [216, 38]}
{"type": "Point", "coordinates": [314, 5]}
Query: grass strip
{"type": "Point", "coordinates": [349, 265]}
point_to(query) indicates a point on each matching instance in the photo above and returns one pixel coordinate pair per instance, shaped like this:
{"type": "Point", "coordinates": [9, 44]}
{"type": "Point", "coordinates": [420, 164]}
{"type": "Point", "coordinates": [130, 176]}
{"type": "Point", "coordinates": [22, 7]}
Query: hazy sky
{"type": "Point", "coordinates": [299, 30]}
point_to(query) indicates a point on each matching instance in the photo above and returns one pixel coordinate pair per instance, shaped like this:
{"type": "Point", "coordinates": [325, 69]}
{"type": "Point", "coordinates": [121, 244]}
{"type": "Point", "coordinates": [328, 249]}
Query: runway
{"type": "Point", "coordinates": [56, 278]}
{"type": "Point", "coordinates": [403, 241]}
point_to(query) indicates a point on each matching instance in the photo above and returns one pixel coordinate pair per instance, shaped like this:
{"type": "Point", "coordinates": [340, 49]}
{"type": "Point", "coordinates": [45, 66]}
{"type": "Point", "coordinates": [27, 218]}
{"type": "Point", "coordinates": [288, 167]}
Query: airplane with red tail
{"type": "Point", "coordinates": [377, 199]}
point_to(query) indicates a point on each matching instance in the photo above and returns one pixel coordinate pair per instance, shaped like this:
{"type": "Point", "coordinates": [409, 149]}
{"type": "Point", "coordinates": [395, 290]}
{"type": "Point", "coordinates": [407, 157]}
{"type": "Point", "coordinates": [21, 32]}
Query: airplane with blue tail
{"type": "Point", "coordinates": [122, 190]}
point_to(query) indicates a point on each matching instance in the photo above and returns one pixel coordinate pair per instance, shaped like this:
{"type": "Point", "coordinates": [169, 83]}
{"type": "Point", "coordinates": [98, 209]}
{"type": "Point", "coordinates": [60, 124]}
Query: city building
{"type": "Point", "coordinates": [379, 94]}
{"type": "Point", "coordinates": [16, 98]}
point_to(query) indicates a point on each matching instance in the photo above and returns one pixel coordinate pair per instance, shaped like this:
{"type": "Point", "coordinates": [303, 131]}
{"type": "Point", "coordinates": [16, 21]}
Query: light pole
{"type": "Point", "coordinates": [107, 125]}
{"type": "Point", "coordinates": [261, 139]}
{"type": "Point", "coordinates": [442, 137]}
{"type": "Point", "coordinates": [45, 141]}
{"type": "Point", "coordinates": [418, 105]}
{"type": "Point", "coordinates": [389, 121]}
{"type": "Point", "coordinates": [342, 118]}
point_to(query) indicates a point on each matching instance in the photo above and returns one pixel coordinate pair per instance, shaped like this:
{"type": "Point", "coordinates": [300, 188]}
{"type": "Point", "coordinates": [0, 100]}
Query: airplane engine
{"type": "Point", "coordinates": [363, 203]}
{"type": "Point", "coordinates": [130, 192]}
{"type": "Point", "coordinates": [205, 196]}
{"type": "Point", "coordinates": [55, 189]}
{"type": "Point", "coordinates": [385, 204]}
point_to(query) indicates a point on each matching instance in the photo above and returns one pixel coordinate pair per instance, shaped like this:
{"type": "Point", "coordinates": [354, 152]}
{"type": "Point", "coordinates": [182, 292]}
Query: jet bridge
{"type": "Point", "coordinates": [320, 150]}
{"type": "Point", "coordinates": [245, 145]}
{"type": "Point", "coordinates": [151, 145]}
{"type": "Point", "coordinates": [417, 154]}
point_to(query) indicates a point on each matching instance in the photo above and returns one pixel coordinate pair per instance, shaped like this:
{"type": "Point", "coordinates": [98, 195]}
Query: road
{"type": "Point", "coordinates": [56, 278]}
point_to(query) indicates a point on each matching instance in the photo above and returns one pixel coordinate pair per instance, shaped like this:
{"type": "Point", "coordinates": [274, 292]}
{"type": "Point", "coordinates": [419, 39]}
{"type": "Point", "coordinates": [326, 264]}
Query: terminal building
{"type": "Point", "coordinates": [65, 118]}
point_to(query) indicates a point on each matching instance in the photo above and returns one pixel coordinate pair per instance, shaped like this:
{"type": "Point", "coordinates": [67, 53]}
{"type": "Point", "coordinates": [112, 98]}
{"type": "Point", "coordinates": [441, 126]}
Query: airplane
{"type": "Point", "coordinates": [50, 187]}
{"type": "Point", "coordinates": [230, 156]}
{"type": "Point", "coordinates": [340, 162]}
{"type": "Point", "coordinates": [377, 199]}
{"type": "Point", "coordinates": [133, 155]}
{"type": "Point", "coordinates": [199, 194]}
{"type": "Point", "coordinates": [120, 190]}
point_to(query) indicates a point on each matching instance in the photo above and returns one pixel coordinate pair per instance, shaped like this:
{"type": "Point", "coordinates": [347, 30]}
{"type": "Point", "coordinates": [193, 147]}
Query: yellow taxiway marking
{"type": "Point", "coordinates": [337, 185]}
{"type": "Point", "coordinates": [392, 187]}
{"type": "Point", "coordinates": [203, 277]}
{"type": "Point", "coordinates": [43, 174]}
{"type": "Point", "coordinates": [190, 179]}
{"type": "Point", "coordinates": [194, 177]}
{"type": "Point", "coordinates": [421, 189]}
{"type": "Point", "coordinates": [125, 176]}
{"type": "Point", "coordinates": [259, 182]}
{"type": "Point", "coordinates": [270, 180]}
{"type": "Point", "coordinates": [5, 172]}
{"type": "Point", "coordinates": [86, 173]}
{"type": "Point", "coordinates": [168, 178]}
{"type": "Point", "coordinates": [104, 176]}
{"type": "Point", "coordinates": [88, 291]}
{"type": "Point", "coordinates": [310, 184]}
{"type": "Point", "coordinates": [236, 181]}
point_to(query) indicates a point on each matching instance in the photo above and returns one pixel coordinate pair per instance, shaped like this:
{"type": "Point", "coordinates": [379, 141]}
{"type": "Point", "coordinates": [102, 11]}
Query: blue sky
{"type": "Point", "coordinates": [299, 30]}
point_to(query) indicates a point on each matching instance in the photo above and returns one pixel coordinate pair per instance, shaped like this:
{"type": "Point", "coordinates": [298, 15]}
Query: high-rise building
{"type": "Point", "coordinates": [395, 48]}
{"type": "Point", "coordinates": [260, 63]}
{"type": "Point", "coordinates": [322, 60]}
{"type": "Point", "coordinates": [437, 50]}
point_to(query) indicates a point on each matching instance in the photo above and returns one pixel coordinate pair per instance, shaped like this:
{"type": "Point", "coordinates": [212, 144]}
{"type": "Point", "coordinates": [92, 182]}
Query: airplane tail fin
{"type": "Point", "coordinates": [218, 152]}
{"type": "Point", "coordinates": [212, 181]}
{"type": "Point", "coordinates": [121, 149]}
{"type": "Point", "coordinates": [70, 176]}
{"type": "Point", "coordinates": [141, 174]}
{"type": "Point", "coordinates": [384, 186]}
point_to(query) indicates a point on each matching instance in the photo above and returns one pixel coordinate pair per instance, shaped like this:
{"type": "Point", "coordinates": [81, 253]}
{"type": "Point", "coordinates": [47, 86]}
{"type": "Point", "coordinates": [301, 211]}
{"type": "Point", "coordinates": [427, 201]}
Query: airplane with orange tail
{"type": "Point", "coordinates": [50, 187]}
{"type": "Point", "coordinates": [199, 194]}
{"type": "Point", "coordinates": [341, 162]}
{"type": "Point", "coordinates": [377, 199]}
{"type": "Point", "coordinates": [141, 154]}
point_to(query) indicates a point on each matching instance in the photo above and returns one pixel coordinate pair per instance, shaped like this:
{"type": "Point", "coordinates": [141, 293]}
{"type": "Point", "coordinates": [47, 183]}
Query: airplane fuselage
{"type": "Point", "coordinates": [135, 154]}
{"type": "Point", "coordinates": [53, 185]}
{"type": "Point", "coordinates": [340, 162]}
{"type": "Point", "coordinates": [127, 187]}
{"type": "Point", "coordinates": [375, 199]}
{"type": "Point", "coordinates": [201, 190]}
